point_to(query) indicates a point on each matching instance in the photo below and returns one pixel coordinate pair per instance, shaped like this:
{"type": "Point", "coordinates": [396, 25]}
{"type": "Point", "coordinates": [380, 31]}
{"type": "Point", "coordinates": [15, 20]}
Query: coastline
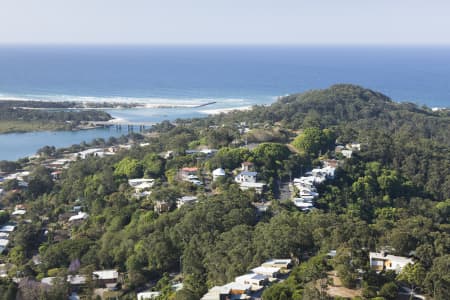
{"type": "Point", "coordinates": [219, 111]}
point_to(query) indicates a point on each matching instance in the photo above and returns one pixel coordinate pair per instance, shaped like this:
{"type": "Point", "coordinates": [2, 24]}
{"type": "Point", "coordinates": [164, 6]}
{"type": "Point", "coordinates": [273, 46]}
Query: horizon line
{"type": "Point", "coordinates": [381, 45]}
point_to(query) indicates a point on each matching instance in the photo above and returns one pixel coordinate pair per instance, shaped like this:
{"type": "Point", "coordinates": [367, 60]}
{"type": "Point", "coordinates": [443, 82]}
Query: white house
{"type": "Point", "coordinates": [7, 228]}
{"type": "Point", "coordinates": [303, 204]}
{"type": "Point", "coordinates": [186, 200]}
{"type": "Point", "coordinates": [383, 261]}
{"type": "Point", "coordinates": [284, 263]}
{"type": "Point", "coordinates": [108, 278]}
{"type": "Point", "coordinates": [258, 186]}
{"type": "Point", "coordinates": [354, 146]}
{"type": "Point", "coordinates": [76, 279]}
{"type": "Point", "coordinates": [257, 281]}
{"type": "Point", "coordinates": [79, 217]}
{"type": "Point", "coordinates": [217, 173]}
{"type": "Point", "coordinates": [4, 243]}
{"type": "Point", "coordinates": [347, 153]}
{"type": "Point", "coordinates": [246, 176]}
{"type": "Point", "coordinates": [148, 295]}
{"type": "Point", "coordinates": [19, 212]}
{"type": "Point", "coordinates": [233, 290]}
{"type": "Point", "coordinates": [271, 272]}
{"type": "Point", "coordinates": [91, 152]}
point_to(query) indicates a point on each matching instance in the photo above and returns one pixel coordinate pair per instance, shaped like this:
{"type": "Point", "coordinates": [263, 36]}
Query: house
{"type": "Point", "coordinates": [48, 280]}
{"type": "Point", "coordinates": [382, 261]}
{"type": "Point", "coordinates": [148, 295]}
{"type": "Point", "coordinates": [7, 228]}
{"type": "Point", "coordinates": [161, 207]}
{"type": "Point", "coordinates": [354, 146]}
{"type": "Point", "coordinates": [257, 281]}
{"type": "Point", "coordinates": [303, 204]}
{"type": "Point", "coordinates": [186, 172]}
{"type": "Point", "coordinates": [186, 200]}
{"type": "Point", "coordinates": [230, 291]}
{"type": "Point", "coordinates": [59, 163]}
{"type": "Point", "coordinates": [258, 186]}
{"type": "Point", "coordinates": [329, 171]}
{"type": "Point", "coordinates": [4, 268]}
{"type": "Point", "coordinates": [90, 152]}
{"type": "Point", "coordinates": [271, 272]}
{"type": "Point", "coordinates": [285, 263]}
{"type": "Point", "coordinates": [246, 176]}
{"type": "Point", "coordinates": [308, 193]}
{"type": "Point", "coordinates": [19, 212]}
{"type": "Point", "coordinates": [141, 184]}
{"type": "Point", "coordinates": [339, 148]}
{"type": "Point", "coordinates": [138, 181]}
{"type": "Point", "coordinates": [107, 278]}
{"type": "Point", "coordinates": [347, 153]}
{"type": "Point", "coordinates": [4, 243]}
{"type": "Point", "coordinates": [167, 155]}
{"type": "Point", "coordinates": [76, 280]}
{"type": "Point", "coordinates": [247, 166]}
{"type": "Point", "coordinates": [80, 216]}
{"type": "Point", "coordinates": [334, 163]}
{"type": "Point", "coordinates": [218, 173]}
{"type": "Point", "coordinates": [56, 174]}
{"type": "Point", "coordinates": [74, 296]}
{"type": "Point", "coordinates": [332, 253]}
{"type": "Point", "coordinates": [209, 152]}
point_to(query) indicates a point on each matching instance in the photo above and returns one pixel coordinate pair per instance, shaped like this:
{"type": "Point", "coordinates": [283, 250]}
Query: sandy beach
{"type": "Point", "coordinates": [224, 110]}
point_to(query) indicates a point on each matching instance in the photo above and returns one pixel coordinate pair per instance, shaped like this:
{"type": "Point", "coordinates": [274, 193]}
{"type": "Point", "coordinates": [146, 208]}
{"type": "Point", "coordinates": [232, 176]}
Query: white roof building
{"type": "Point", "coordinates": [278, 263]}
{"type": "Point", "coordinates": [258, 186]}
{"type": "Point", "coordinates": [271, 272]}
{"type": "Point", "coordinates": [246, 176]}
{"type": "Point", "coordinates": [148, 295]}
{"type": "Point", "coordinates": [257, 281]}
{"type": "Point", "coordinates": [7, 228]}
{"type": "Point", "coordinates": [78, 217]}
{"type": "Point", "coordinates": [218, 173]}
{"type": "Point", "coordinates": [106, 274]}
{"type": "Point", "coordinates": [76, 279]}
{"type": "Point", "coordinates": [347, 153]}
{"type": "Point", "coordinates": [19, 212]}
{"type": "Point", "coordinates": [239, 291]}
{"type": "Point", "coordinates": [90, 152]}
{"type": "Point", "coordinates": [48, 280]}
{"type": "Point", "coordinates": [138, 181]}
{"type": "Point", "coordinates": [382, 261]}
{"type": "Point", "coordinates": [186, 200]}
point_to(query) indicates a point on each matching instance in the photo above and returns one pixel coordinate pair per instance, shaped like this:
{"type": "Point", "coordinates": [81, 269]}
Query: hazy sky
{"type": "Point", "coordinates": [225, 21]}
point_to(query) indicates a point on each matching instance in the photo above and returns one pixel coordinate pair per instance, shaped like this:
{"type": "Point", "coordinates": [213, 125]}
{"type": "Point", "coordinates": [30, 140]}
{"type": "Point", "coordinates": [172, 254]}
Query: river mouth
{"type": "Point", "coordinates": [125, 120]}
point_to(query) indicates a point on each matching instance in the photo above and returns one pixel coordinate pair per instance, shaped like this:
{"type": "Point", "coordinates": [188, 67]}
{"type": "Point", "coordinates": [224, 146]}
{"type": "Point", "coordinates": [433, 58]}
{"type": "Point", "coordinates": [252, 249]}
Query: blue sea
{"type": "Point", "coordinates": [184, 76]}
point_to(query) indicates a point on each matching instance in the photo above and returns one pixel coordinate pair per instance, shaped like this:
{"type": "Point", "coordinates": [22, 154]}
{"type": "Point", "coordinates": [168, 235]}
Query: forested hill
{"type": "Point", "coordinates": [403, 136]}
{"type": "Point", "coordinates": [344, 104]}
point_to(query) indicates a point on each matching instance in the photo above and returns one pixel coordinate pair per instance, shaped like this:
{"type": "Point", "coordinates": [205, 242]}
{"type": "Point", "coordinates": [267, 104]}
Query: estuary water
{"type": "Point", "coordinates": [183, 77]}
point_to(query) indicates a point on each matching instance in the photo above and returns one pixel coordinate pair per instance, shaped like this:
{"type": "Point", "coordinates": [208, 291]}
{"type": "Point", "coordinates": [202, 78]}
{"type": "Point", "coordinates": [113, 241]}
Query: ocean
{"type": "Point", "coordinates": [231, 76]}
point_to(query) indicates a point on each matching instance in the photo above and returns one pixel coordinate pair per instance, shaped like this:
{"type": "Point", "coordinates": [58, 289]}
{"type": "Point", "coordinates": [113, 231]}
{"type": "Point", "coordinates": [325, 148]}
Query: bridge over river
{"type": "Point", "coordinates": [119, 124]}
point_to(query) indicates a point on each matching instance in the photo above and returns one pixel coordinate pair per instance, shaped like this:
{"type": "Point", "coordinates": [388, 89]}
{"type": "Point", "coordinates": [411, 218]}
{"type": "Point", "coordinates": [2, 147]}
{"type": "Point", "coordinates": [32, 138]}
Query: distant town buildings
{"type": "Point", "coordinates": [251, 285]}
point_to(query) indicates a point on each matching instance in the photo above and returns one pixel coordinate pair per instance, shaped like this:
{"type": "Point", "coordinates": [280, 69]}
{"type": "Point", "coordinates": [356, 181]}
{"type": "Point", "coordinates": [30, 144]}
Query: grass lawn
{"type": "Point", "coordinates": [24, 126]}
